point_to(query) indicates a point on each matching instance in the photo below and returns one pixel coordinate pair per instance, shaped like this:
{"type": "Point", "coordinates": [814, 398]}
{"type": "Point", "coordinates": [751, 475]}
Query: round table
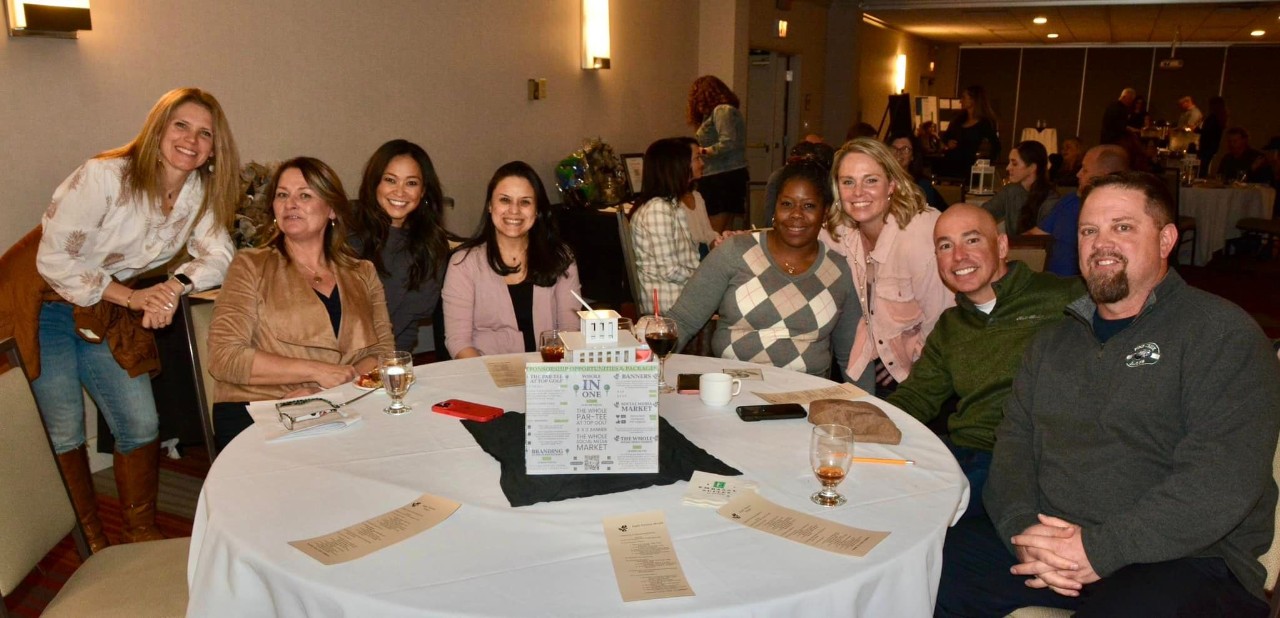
{"type": "Point", "coordinates": [550, 559]}
{"type": "Point", "coordinates": [1217, 210]}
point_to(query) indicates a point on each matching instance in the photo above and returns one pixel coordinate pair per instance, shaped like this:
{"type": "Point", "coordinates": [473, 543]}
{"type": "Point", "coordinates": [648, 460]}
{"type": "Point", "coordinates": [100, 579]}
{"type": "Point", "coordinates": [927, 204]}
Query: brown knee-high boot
{"type": "Point", "coordinates": [137, 478]}
{"type": "Point", "coordinates": [75, 471]}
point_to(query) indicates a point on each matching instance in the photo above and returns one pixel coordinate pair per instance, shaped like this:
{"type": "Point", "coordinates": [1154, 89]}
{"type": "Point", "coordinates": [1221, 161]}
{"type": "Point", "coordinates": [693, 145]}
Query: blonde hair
{"type": "Point", "coordinates": [220, 177]}
{"type": "Point", "coordinates": [906, 201]}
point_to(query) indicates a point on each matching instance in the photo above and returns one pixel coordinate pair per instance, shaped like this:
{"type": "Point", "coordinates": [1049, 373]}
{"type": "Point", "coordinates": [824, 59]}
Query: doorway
{"type": "Point", "coordinates": [773, 120]}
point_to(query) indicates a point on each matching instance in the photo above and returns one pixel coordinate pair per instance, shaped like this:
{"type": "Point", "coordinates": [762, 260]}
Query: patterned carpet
{"type": "Point", "coordinates": [180, 482]}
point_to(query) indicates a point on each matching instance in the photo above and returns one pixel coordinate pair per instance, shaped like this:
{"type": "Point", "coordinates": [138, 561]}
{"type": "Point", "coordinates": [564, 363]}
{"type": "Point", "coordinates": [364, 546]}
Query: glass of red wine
{"type": "Point", "coordinates": [661, 336]}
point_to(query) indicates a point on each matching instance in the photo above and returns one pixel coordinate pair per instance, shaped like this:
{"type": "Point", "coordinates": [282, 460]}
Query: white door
{"type": "Point", "coordinates": [768, 139]}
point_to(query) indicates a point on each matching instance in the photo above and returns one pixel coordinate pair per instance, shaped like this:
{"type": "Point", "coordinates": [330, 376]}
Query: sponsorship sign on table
{"type": "Point", "coordinates": [591, 418]}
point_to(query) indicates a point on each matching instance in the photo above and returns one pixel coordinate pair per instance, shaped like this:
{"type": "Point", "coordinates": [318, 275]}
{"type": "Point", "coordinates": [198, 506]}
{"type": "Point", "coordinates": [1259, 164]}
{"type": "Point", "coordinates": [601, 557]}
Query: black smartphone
{"type": "Point", "coordinates": [771, 412]}
{"type": "Point", "coordinates": [688, 383]}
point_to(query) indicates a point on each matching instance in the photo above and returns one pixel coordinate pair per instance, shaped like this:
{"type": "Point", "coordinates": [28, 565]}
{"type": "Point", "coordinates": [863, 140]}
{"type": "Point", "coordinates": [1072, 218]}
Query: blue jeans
{"type": "Point", "coordinates": [68, 362]}
{"type": "Point", "coordinates": [975, 464]}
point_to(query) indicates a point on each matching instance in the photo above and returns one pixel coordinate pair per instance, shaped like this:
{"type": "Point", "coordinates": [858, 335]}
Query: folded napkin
{"type": "Point", "coordinates": [266, 416]}
{"type": "Point", "coordinates": [868, 422]}
{"type": "Point", "coordinates": [503, 439]}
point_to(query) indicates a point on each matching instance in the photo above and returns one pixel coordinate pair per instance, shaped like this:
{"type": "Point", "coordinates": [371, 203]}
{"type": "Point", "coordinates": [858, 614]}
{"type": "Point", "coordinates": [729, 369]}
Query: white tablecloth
{"type": "Point", "coordinates": [1047, 136]}
{"type": "Point", "coordinates": [550, 559]}
{"type": "Point", "coordinates": [1217, 211]}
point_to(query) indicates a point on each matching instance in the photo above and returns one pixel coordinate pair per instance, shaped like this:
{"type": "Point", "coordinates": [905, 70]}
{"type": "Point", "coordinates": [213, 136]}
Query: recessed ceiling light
{"type": "Point", "coordinates": [1040, 20]}
{"type": "Point", "coordinates": [1257, 33]}
{"type": "Point", "coordinates": [1052, 35]}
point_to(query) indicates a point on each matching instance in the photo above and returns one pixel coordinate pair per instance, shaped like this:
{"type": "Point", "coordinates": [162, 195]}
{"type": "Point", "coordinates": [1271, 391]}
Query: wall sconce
{"type": "Point", "coordinates": [782, 28]}
{"type": "Point", "coordinates": [51, 18]}
{"type": "Point", "coordinates": [595, 34]}
{"type": "Point", "coordinates": [900, 74]}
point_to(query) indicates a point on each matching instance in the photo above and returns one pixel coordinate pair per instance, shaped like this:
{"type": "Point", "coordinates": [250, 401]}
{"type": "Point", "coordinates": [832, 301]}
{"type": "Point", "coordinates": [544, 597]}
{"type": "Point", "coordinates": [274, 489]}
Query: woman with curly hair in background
{"type": "Point", "coordinates": [722, 135]}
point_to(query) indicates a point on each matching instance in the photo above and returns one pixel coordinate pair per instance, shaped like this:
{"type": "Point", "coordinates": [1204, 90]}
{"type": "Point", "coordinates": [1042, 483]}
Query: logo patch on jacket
{"type": "Point", "coordinates": [1143, 354]}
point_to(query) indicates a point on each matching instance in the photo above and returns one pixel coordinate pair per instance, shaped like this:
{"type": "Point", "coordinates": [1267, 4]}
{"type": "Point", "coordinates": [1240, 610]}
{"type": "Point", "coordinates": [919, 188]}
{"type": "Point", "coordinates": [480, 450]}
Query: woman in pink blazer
{"type": "Point", "coordinates": [515, 278]}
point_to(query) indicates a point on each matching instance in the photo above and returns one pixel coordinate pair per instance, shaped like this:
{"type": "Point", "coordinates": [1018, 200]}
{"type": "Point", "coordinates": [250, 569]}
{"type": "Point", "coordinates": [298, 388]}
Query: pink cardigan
{"type": "Point", "coordinates": [910, 296]}
{"type": "Point", "coordinates": [478, 312]}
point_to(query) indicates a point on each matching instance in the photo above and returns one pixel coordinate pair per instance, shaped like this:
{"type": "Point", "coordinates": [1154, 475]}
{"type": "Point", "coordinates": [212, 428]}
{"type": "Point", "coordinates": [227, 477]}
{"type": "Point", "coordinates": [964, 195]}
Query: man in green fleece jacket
{"type": "Point", "coordinates": [974, 350]}
{"type": "Point", "coordinates": [1132, 473]}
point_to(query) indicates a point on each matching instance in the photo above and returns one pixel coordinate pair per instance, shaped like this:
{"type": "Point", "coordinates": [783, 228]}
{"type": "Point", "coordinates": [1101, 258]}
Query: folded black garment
{"type": "Point", "coordinates": [503, 439]}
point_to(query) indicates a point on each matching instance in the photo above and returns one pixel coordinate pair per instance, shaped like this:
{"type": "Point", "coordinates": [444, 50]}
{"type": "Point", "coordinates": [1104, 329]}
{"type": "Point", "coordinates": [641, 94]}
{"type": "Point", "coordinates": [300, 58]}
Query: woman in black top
{"type": "Point", "coordinates": [972, 135]}
{"type": "Point", "coordinates": [398, 228]}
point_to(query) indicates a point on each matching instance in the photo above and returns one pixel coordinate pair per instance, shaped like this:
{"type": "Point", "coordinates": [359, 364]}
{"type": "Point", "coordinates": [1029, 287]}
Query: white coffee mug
{"type": "Point", "coordinates": [716, 389]}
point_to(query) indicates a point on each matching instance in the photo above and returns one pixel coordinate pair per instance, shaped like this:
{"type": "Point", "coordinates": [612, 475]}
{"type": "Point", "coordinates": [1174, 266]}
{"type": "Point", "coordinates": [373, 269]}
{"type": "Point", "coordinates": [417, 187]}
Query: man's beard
{"type": "Point", "coordinates": [1108, 288]}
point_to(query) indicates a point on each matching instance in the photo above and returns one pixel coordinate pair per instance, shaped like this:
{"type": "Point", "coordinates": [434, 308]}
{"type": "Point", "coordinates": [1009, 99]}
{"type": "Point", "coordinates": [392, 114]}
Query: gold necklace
{"type": "Point", "coordinates": [315, 276]}
{"type": "Point", "coordinates": [791, 270]}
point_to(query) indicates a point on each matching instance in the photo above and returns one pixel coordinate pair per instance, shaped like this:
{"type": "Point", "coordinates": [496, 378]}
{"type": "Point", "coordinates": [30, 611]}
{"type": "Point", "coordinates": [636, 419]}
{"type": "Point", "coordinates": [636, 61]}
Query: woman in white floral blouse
{"type": "Point", "coordinates": [124, 212]}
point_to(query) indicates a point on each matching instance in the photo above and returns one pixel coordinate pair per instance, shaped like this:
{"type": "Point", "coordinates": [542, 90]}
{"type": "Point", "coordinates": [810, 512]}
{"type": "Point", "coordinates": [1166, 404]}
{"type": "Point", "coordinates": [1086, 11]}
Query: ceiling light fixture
{"type": "Point", "coordinates": [1257, 33]}
{"type": "Point", "coordinates": [1040, 21]}
{"type": "Point", "coordinates": [1052, 35]}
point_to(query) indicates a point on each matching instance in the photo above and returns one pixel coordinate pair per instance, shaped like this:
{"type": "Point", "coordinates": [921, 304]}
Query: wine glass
{"type": "Point", "coordinates": [397, 377]}
{"type": "Point", "coordinates": [831, 453]}
{"type": "Point", "coordinates": [551, 346]}
{"type": "Point", "coordinates": [660, 334]}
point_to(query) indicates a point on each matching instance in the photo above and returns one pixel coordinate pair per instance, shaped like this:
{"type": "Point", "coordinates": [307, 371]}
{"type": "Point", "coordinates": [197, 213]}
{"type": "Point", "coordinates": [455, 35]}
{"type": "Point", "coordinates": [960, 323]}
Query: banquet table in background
{"type": "Point", "coordinates": [1217, 209]}
{"type": "Point", "coordinates": [1046, 136]}
{"type": "Point", "coordinates": [551, 559]}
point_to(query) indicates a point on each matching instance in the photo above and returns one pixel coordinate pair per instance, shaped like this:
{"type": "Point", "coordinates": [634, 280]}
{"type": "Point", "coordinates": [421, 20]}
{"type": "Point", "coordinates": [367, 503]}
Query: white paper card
{"type": "Point", "coordinates": [714, 490]}
{"type": "Point", "coordinates": [644, 559]}
{"type": "Point", "coordinates": [591, 418]}
{"type": "Point", "coordinates": [754, 511]}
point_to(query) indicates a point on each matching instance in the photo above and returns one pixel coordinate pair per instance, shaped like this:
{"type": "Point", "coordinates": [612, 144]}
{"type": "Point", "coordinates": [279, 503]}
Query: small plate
{"type": "Point", "coordinates": [377, 385]}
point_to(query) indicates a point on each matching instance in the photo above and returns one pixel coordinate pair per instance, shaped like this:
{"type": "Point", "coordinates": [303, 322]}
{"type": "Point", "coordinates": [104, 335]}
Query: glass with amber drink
{"type": "Point", "coordinates": [551, 346]}
{"type": "Point", "coordinates": [831, 453]}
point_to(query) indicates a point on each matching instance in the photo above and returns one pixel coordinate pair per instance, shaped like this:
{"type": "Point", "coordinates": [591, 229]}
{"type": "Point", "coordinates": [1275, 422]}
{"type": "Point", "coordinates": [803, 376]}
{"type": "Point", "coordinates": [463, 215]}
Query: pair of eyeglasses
{"type": "Point", "coordinates": [299, 411]}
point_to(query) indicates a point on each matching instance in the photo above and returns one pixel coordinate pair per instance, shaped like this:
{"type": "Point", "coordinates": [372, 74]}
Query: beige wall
{"type": "Point", "coordinates": [722, 41]}
{"type": "Point", "coordinates": [335, 78]}
{"type": "Point", "coordinates": [806, 39]}
{"type": "Point", "coordinates": [878, 49]}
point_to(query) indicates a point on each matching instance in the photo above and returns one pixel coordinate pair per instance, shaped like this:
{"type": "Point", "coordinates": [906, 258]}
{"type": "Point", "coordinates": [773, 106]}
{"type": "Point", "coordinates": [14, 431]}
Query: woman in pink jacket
{"type": "Point", "coordinates": [885, 230]}
{"type": "Point", "coordinates": [515, 278]}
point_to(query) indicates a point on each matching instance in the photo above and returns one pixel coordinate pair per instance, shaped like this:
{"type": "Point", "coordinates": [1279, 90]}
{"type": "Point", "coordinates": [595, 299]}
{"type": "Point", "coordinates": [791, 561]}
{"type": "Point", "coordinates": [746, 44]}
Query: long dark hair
{"type": "Point", "coordinates": [668, 171]}
{"type": "Point", "coordinates": [981, 106]}
{"type": "Point", "coordinates": [426, 241]}
{"type": "Point", "coordinates": [328, 187]}
{"type": "Point", "coordinates": [547, 257]}
{"type": "Point", "coordinates": [1034, 153]}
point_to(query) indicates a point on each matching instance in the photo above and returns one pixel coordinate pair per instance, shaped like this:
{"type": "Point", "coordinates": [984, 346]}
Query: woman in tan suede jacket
{"type": "Point", "coordinates": [300, 314]}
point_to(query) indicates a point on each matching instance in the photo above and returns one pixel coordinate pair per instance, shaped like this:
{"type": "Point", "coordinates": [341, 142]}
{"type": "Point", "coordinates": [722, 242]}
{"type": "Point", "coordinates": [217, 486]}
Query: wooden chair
{"type": "Point", "coordinates": [1032, 250]}
{"type": "Point", "coordinates": [139, 579]}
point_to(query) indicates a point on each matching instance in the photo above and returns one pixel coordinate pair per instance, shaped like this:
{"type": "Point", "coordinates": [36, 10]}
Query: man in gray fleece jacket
{"type": "Point", "coordinates": [1132, 471]}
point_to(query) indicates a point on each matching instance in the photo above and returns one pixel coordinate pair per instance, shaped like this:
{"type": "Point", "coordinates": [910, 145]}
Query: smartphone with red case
{"type": "Point", "coordinates": [467, 410]}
